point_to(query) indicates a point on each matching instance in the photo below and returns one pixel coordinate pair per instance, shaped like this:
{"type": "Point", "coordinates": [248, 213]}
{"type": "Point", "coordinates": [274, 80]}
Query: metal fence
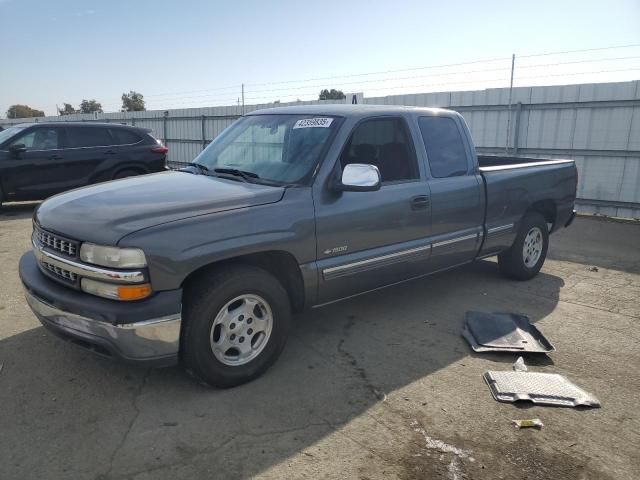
{"type": "Point", "coordinates": [597, 125]}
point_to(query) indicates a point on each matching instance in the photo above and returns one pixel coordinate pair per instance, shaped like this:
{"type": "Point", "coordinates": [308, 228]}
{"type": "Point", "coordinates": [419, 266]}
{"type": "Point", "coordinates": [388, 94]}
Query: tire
{"type": "Point", "coordinates": [129, 172]}
{"type": "Point", "coordinates": [526, 256]}
{"type": "Point", "coordinates": [212, 316]}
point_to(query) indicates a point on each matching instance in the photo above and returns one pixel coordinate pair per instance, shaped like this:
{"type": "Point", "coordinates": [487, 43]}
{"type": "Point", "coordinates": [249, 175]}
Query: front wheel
{"type": "Point", "coordinates": [527, 254]}
{"type": "Point", "coordinates": [236, 324]}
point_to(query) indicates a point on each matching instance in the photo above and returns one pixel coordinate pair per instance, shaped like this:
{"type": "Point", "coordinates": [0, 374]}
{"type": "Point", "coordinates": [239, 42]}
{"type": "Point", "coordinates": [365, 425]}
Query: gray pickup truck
{"type": "Point", "coordinates": [289, 208]}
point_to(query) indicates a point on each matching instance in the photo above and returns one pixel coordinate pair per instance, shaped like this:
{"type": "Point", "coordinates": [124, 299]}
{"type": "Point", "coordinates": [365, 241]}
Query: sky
{"type": "Point", "coordinates": [198, 53]}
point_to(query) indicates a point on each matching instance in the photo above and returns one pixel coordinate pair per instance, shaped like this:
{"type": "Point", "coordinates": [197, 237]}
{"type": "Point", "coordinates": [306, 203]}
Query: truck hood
{"type": "Point", "coordinates": [106, 212]}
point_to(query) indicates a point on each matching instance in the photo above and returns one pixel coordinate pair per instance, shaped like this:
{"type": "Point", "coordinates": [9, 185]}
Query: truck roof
{"type": "Point", "coordinates": [349, 110]}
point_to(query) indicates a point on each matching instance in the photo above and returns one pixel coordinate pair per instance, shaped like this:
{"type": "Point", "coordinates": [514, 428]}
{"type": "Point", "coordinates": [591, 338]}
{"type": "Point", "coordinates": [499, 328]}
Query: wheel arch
{"type": "Point", "coordinates": [548, 209]}
{"type": "Point", "coordinates": [281, 264]}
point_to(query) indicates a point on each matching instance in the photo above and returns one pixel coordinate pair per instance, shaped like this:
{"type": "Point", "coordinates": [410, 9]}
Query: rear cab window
{"type": "Point", "coordinates": [443, 142]}
{"type": "Point", "coordinates": [83, 137]}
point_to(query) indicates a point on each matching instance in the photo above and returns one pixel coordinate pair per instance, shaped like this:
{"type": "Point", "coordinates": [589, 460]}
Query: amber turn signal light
{"type": "Point", "coordinates": [134, 292]}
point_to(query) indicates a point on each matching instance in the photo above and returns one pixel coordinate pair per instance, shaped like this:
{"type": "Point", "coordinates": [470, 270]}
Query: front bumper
{"type": "Point", "coordinates": [146, 331]}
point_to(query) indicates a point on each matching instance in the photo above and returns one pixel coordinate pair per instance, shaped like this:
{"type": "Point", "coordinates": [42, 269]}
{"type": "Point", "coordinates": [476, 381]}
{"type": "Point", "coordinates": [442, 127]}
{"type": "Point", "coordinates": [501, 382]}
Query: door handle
{"type": "Point", "coordinates": [109, 152]}
{"type": "Point", "coordinates": [54, 157]}
{"type": "Point", "coordinates": [419, 202]}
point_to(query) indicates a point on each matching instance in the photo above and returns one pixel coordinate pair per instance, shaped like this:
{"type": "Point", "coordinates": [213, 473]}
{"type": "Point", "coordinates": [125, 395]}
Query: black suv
{"type": "Point", "coordinates": [38, 160]}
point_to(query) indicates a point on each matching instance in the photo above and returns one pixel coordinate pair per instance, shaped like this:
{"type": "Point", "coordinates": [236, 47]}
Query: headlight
{"type": "Point", "coordinates": [112, 256]}
{"type": "Point", "coordinates": [115, 292]}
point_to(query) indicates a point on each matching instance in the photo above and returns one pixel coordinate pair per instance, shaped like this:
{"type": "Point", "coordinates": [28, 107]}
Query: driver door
{"type": "Point", "coordinates": [367, 240]}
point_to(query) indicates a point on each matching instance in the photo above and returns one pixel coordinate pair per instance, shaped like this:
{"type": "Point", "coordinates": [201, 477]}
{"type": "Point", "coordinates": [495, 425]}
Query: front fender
{"type": "Point", "coordinates": [176, 249]}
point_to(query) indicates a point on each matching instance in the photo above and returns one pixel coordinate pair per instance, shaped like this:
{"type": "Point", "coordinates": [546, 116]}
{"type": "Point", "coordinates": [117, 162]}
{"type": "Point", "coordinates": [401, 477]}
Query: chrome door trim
{"type": "Point", "coordinates": [456, 240]}
{"type": "Point", "coordinates": [105, 146]}
{"type": "Point", "coordinates": [374, 260]}
{"type": "Point", "coordinates": [501, 228]}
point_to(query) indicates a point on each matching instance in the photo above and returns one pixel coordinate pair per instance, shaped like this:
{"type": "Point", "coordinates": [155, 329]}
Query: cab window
{"type": "Point", "coordinates": [385, 143]}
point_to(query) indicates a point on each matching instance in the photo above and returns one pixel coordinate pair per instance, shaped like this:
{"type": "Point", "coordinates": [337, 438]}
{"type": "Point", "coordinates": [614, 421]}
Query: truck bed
{"type": "Point", "coordinates": [514, 184]}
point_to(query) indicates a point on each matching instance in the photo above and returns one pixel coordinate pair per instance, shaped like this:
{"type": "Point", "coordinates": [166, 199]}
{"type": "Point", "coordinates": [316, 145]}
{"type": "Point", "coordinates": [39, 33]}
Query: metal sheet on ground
{"type": "Point", "coordinates": [503, 332]}
{"type": "Point", "coordinates": [539, 388]}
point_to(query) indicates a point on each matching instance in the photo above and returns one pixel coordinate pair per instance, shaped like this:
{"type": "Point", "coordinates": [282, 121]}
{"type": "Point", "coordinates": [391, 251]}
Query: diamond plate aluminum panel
{"type": "Point", "coordinates": [539, 388]}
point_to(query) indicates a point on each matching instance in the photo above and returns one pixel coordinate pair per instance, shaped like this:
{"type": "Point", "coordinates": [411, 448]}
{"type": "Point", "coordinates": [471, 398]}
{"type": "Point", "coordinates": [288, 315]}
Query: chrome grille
{"type": "Point", "coordinates": [60, 272]}
{"type": "Point", "coordinates": [56, 243]}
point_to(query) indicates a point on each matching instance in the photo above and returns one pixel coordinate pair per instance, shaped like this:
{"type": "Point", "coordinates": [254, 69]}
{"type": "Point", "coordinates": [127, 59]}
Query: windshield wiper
{"type": "Point", "coordinates": [203, 169]}
{"type": "Point", "coordinates": [238, 173]}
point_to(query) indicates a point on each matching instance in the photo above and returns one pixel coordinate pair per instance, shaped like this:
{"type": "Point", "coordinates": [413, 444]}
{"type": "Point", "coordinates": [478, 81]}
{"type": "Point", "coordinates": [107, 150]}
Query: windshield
{"type": "Point", "coordinates": [279, 148]}
{"type": "Point", "coordinates": [9, 132]}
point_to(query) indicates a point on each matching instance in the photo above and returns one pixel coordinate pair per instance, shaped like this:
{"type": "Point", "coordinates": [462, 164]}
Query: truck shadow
{"type": "Point", "coordinates": [340, 361]}
{"type": "Point", "coordinates": [621, 237]}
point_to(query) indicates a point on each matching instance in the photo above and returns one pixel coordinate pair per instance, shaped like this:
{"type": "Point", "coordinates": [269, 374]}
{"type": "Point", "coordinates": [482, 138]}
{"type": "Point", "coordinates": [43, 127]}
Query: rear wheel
{"type": "Point", "coordinates": [129, 172]}
{"type": "Point", "coordinates": [236, 324]}
{"type": "Point", "coordinates": [527, 254]}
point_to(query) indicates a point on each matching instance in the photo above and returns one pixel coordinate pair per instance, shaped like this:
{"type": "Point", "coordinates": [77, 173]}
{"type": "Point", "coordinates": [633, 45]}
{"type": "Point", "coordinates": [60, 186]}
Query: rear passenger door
{"type": "Point", "coordinates": [87, 152]}
{"type": "Point", "coordinates": [457, 199]}
{"type": "Point", "coordinates": [369, 239]}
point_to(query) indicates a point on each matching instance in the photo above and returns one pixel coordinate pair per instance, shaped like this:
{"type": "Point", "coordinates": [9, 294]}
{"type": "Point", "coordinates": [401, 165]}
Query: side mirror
{"type": "Point", "coordinates": [360, 177]}
{"type": "Point", "coordinates": [17, 148]}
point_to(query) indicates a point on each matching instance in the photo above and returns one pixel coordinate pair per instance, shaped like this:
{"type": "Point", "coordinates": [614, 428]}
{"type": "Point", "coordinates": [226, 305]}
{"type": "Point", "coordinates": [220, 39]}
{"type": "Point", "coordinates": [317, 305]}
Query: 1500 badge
{"type": "Point", "coordinates": [331, 251]}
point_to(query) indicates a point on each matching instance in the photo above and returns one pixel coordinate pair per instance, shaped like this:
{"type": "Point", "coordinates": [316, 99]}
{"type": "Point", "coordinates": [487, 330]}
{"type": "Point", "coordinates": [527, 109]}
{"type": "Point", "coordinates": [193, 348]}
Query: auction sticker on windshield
{"type": "Point", "coordinates": [319, 122]}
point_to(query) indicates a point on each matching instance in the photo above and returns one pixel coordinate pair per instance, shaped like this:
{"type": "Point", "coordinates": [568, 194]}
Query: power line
{"type": "Point", "coordinates": [610, 59]}
{"type": "Point", "coordinates": [225, 97]}
{"type": "Point", "coordinates": [194, 91]}
{"type": "Point", "coordinates": [479, 81]}
{"type": "Point", "coordinates": [442, 74]}
{"type": "Point", "coordinates": [408, 86]}
{"type": "Point", "coordinates": [382, 72]}
{"type": "Point", "coordinates": [613, 47]}
{"type": "Point", "coordinates": [398, 71]}
{"type": "Point", "coordinates": [579, 73]}
{"type": "Point", "coordinates": [395, 87]}
{"type": "Point", "coordinates": [377, 73]}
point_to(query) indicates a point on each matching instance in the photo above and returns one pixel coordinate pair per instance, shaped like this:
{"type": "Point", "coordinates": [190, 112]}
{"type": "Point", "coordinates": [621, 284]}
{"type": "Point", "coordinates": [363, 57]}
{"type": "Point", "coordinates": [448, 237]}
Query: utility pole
{"type": "Point", "coordinates": [513, 63]}
{"type": "Point", "coordinates": [243, 99]}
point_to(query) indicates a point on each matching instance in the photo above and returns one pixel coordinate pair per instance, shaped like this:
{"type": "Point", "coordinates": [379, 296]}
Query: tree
{"type": "Point", "coordinates": [90, 106]}
{"type": "Point", "coordinates": [23, 111]}
{"type": "Point", "coordinates": [132, 102]}
{"type": "Point", "coordinates": [67, 109]}
{"type": "Point", "coordinates": [332, 94]}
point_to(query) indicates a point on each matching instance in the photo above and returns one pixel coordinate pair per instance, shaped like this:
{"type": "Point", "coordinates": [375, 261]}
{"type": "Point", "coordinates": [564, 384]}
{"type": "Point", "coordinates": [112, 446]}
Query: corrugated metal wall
{"type": "Point", "coordinates": [598, 125]}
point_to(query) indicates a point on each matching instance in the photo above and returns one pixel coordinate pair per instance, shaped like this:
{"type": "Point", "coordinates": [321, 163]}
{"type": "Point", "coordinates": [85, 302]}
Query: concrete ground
{"type": "Point", "coordinates": [378, 386]}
